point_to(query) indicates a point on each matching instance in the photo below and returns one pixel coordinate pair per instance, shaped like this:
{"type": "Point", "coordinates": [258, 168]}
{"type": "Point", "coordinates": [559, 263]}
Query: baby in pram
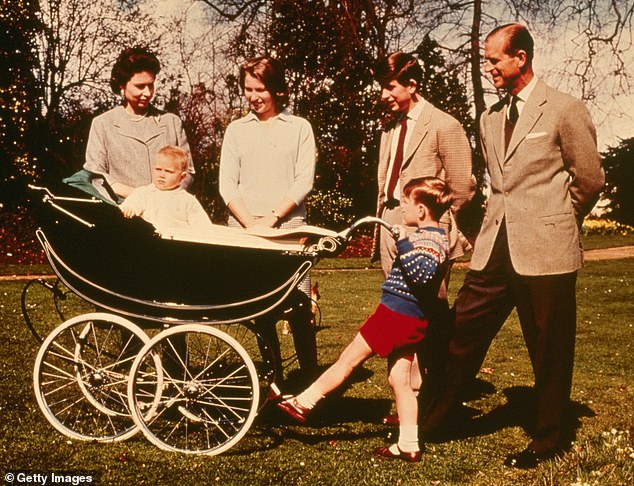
{"type": "Point", "coordinates": [400, 321]}
{"type": "Point", "coordinates": [164, 203]}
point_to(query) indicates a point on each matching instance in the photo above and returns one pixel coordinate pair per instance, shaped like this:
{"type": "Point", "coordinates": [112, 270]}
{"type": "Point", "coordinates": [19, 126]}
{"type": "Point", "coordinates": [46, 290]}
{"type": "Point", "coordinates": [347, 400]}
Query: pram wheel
{"type": "Point", "coordinates": [260, 351]}
{"type": "Point", "coordinates": [81, 373]}
{"type": "Point", "coordinates": [202, 398]}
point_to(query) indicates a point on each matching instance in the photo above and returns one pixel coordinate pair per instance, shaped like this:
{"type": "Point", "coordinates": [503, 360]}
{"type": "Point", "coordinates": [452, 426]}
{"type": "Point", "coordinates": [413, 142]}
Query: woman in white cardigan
{"type": "Point", "coordinates": [267, 168]}
{"type": "Point", "coordinates": [123, 142]}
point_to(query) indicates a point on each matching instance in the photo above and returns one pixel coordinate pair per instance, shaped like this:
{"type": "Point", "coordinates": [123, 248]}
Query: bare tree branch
{"type": "Point", "coordinates": [234, 9]}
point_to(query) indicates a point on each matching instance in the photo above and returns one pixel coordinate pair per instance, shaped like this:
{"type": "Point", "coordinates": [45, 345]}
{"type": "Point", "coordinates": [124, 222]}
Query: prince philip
{"type": "Point", "coordinates": [541, 154]}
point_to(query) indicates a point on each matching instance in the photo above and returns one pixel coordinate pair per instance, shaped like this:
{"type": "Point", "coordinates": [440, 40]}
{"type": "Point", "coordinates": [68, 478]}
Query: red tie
{"type": "Point", "coordinates": [398, 160]}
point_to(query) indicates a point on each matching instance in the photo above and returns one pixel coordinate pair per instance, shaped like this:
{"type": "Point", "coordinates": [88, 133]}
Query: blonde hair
{"type": "Point", "coordinates": [430, 191]}
{"type": "Point", "coordinates": [176, 154]}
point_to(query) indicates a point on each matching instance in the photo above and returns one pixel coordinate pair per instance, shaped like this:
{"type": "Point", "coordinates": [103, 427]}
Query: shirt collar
{"type": "Point", "coordinates": [524, 94]}
{"type": "Point", "coordinates": [121, 116]}
{"type": "Point", "coordinates": [284, 115]}
{"type": "Point", "coordinates": [153, 188]}
{"type": "Point", "coordinates": [415, 112]}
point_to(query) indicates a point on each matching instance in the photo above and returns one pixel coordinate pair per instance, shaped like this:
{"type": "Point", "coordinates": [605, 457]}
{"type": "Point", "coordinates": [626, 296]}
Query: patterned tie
{"type": "Point", "coordinates": [509, 125]}
{"type": "Point", "coordinates": [398, 160]}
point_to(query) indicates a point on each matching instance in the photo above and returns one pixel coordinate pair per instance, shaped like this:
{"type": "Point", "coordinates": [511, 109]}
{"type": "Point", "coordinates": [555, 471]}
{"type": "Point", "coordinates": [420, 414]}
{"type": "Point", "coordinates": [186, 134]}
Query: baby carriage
{"type": "Point", "coordinates": [153, 356]}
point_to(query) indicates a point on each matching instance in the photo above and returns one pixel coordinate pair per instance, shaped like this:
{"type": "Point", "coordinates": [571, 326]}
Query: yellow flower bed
{"type": "Point", "coordinates": [605, 227]}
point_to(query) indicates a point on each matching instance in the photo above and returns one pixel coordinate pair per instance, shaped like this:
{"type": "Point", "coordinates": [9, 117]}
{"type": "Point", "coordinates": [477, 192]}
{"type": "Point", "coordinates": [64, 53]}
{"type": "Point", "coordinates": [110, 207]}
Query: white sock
{"type": "Point", "coordinates": [309, 397]}
{"type": "Point", "coordinates": [408, 438]}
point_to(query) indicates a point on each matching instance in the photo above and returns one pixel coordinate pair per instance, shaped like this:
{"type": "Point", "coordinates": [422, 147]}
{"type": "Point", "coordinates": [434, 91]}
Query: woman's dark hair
{"type": "Point", "coordinates": [271, 72]}
{"type": "Point", "coordinates": [398, 66]}
{"type": "Point", "coordinates": [131, 61]}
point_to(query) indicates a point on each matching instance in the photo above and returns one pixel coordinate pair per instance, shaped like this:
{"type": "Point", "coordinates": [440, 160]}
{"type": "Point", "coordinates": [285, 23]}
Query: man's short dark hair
{"type": "Point", "coordinates": [518, 39]}
{"type": "Point", "coordinates": [430, 191]}
{"type": "Point", "coordinates": [398, 66]}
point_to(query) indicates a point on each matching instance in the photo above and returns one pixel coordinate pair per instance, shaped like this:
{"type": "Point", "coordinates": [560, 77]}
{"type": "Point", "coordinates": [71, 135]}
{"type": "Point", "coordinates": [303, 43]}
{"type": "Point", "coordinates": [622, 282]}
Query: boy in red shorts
{"type": "Point", "coordinates": [399, 322]}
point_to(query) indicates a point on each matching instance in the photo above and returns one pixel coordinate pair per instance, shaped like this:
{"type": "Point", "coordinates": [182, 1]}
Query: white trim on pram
{"type": "Point", "coordinates": [296, 240]}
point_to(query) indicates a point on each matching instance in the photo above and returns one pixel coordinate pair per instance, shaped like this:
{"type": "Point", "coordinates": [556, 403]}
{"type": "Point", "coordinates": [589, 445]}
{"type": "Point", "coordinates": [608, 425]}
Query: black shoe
{"type": "Point", "coordinates": [527, 459]}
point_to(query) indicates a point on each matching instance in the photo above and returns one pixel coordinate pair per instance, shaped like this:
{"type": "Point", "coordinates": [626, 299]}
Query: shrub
{"type": "Point", "coordinates": [593, 226]}
{"type": "Point", "coordinates": [329, 209]}
{"type": "Point", "coordinates": [17, 237]}
{"type": "Point", "coordinates": [361, 244]}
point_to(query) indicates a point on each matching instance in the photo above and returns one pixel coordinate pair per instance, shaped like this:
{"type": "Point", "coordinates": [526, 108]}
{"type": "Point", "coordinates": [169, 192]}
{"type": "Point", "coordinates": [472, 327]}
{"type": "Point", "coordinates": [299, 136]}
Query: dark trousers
{"type": "Point", "coordinates": [546, 306]}
{"type": "Point", "coordinates": [299, 317]}
{"type": "Point", "coordinates": [432, 351]}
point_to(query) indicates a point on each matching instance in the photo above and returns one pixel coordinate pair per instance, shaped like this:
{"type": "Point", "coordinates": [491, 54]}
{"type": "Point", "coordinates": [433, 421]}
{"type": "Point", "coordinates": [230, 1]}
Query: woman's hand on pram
{"type": "Point", "coordinates": [266, 222]}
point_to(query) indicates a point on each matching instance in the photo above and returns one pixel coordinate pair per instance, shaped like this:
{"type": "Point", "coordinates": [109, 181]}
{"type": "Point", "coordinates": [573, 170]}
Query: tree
{"type": "Point", "coordinates": [329, 49]}
{"type": "Point", "coordinates": [618, 163]}
{"type": "Point", "coordinates": [18, 103]}
{"type": "Point", "coordinates": [329, 65]}
{"type": "Point", "coordinates": [588, 44]}
{"type": "Point", "coordinates": [76, 47]}
{"type": "Point", "coordinates": [443, 88]}
{"type": "Point", "coordinates": [203, 91]}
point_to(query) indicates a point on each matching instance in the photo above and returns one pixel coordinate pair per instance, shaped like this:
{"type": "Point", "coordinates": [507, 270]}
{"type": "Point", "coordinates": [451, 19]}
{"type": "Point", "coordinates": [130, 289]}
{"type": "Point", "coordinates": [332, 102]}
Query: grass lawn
{"type": "Point", "coordinates": [334, 447]}
{"type": "Point", "coordinates": [591, 242]}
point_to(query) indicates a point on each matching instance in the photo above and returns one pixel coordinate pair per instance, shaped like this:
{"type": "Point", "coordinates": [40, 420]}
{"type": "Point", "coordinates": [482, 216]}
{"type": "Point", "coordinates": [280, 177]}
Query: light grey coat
{"type": "Point", "coordinates": [123, 150]}
{"type": "Point", "coordinates": [542, 187]}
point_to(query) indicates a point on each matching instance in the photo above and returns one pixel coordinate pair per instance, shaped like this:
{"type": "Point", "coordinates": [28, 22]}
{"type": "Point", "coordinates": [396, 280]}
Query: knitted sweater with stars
{"type": "Point", "coordinates": [417, 271]}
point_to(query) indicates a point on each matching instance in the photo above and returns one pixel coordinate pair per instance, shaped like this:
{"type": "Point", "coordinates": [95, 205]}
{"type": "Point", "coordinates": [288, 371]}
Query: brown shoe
{"type": "Point", "coordinates": [294, 409]}
{"type": "Point", "coordinates": [386, 453]}
{"type": "Point", "coordinates": [390, 419]}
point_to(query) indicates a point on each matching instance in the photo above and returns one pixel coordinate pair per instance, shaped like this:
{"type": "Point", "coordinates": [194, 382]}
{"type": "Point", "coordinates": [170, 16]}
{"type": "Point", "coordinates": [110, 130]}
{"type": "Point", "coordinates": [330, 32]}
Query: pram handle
{"type": "Point", "coordinates": [50, 198]}
{"type": "Point", "coordinates": [347, 234]}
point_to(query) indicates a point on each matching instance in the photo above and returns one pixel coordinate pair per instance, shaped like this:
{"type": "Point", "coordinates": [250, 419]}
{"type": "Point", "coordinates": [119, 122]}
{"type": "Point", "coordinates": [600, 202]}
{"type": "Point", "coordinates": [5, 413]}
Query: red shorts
{"type": "Point", "coordinates": [387, 331]}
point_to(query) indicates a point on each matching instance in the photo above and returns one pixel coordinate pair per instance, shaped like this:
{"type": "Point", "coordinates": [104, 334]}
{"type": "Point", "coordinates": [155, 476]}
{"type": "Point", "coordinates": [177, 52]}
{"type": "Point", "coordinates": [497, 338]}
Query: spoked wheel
{"type": "Point", "coordinates": [81, 376]}
{"type": "Point", "coordinates": [202, 398]}
{"type": "Point", "coordinates": [258, 349]}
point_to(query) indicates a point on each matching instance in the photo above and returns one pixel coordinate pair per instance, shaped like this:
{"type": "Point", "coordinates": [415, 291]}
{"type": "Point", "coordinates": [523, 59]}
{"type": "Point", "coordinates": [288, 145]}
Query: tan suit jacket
{"type": "Point", "coordinates": [438, 147]}
{"type": "Point", "coordinates": [543, 185]}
